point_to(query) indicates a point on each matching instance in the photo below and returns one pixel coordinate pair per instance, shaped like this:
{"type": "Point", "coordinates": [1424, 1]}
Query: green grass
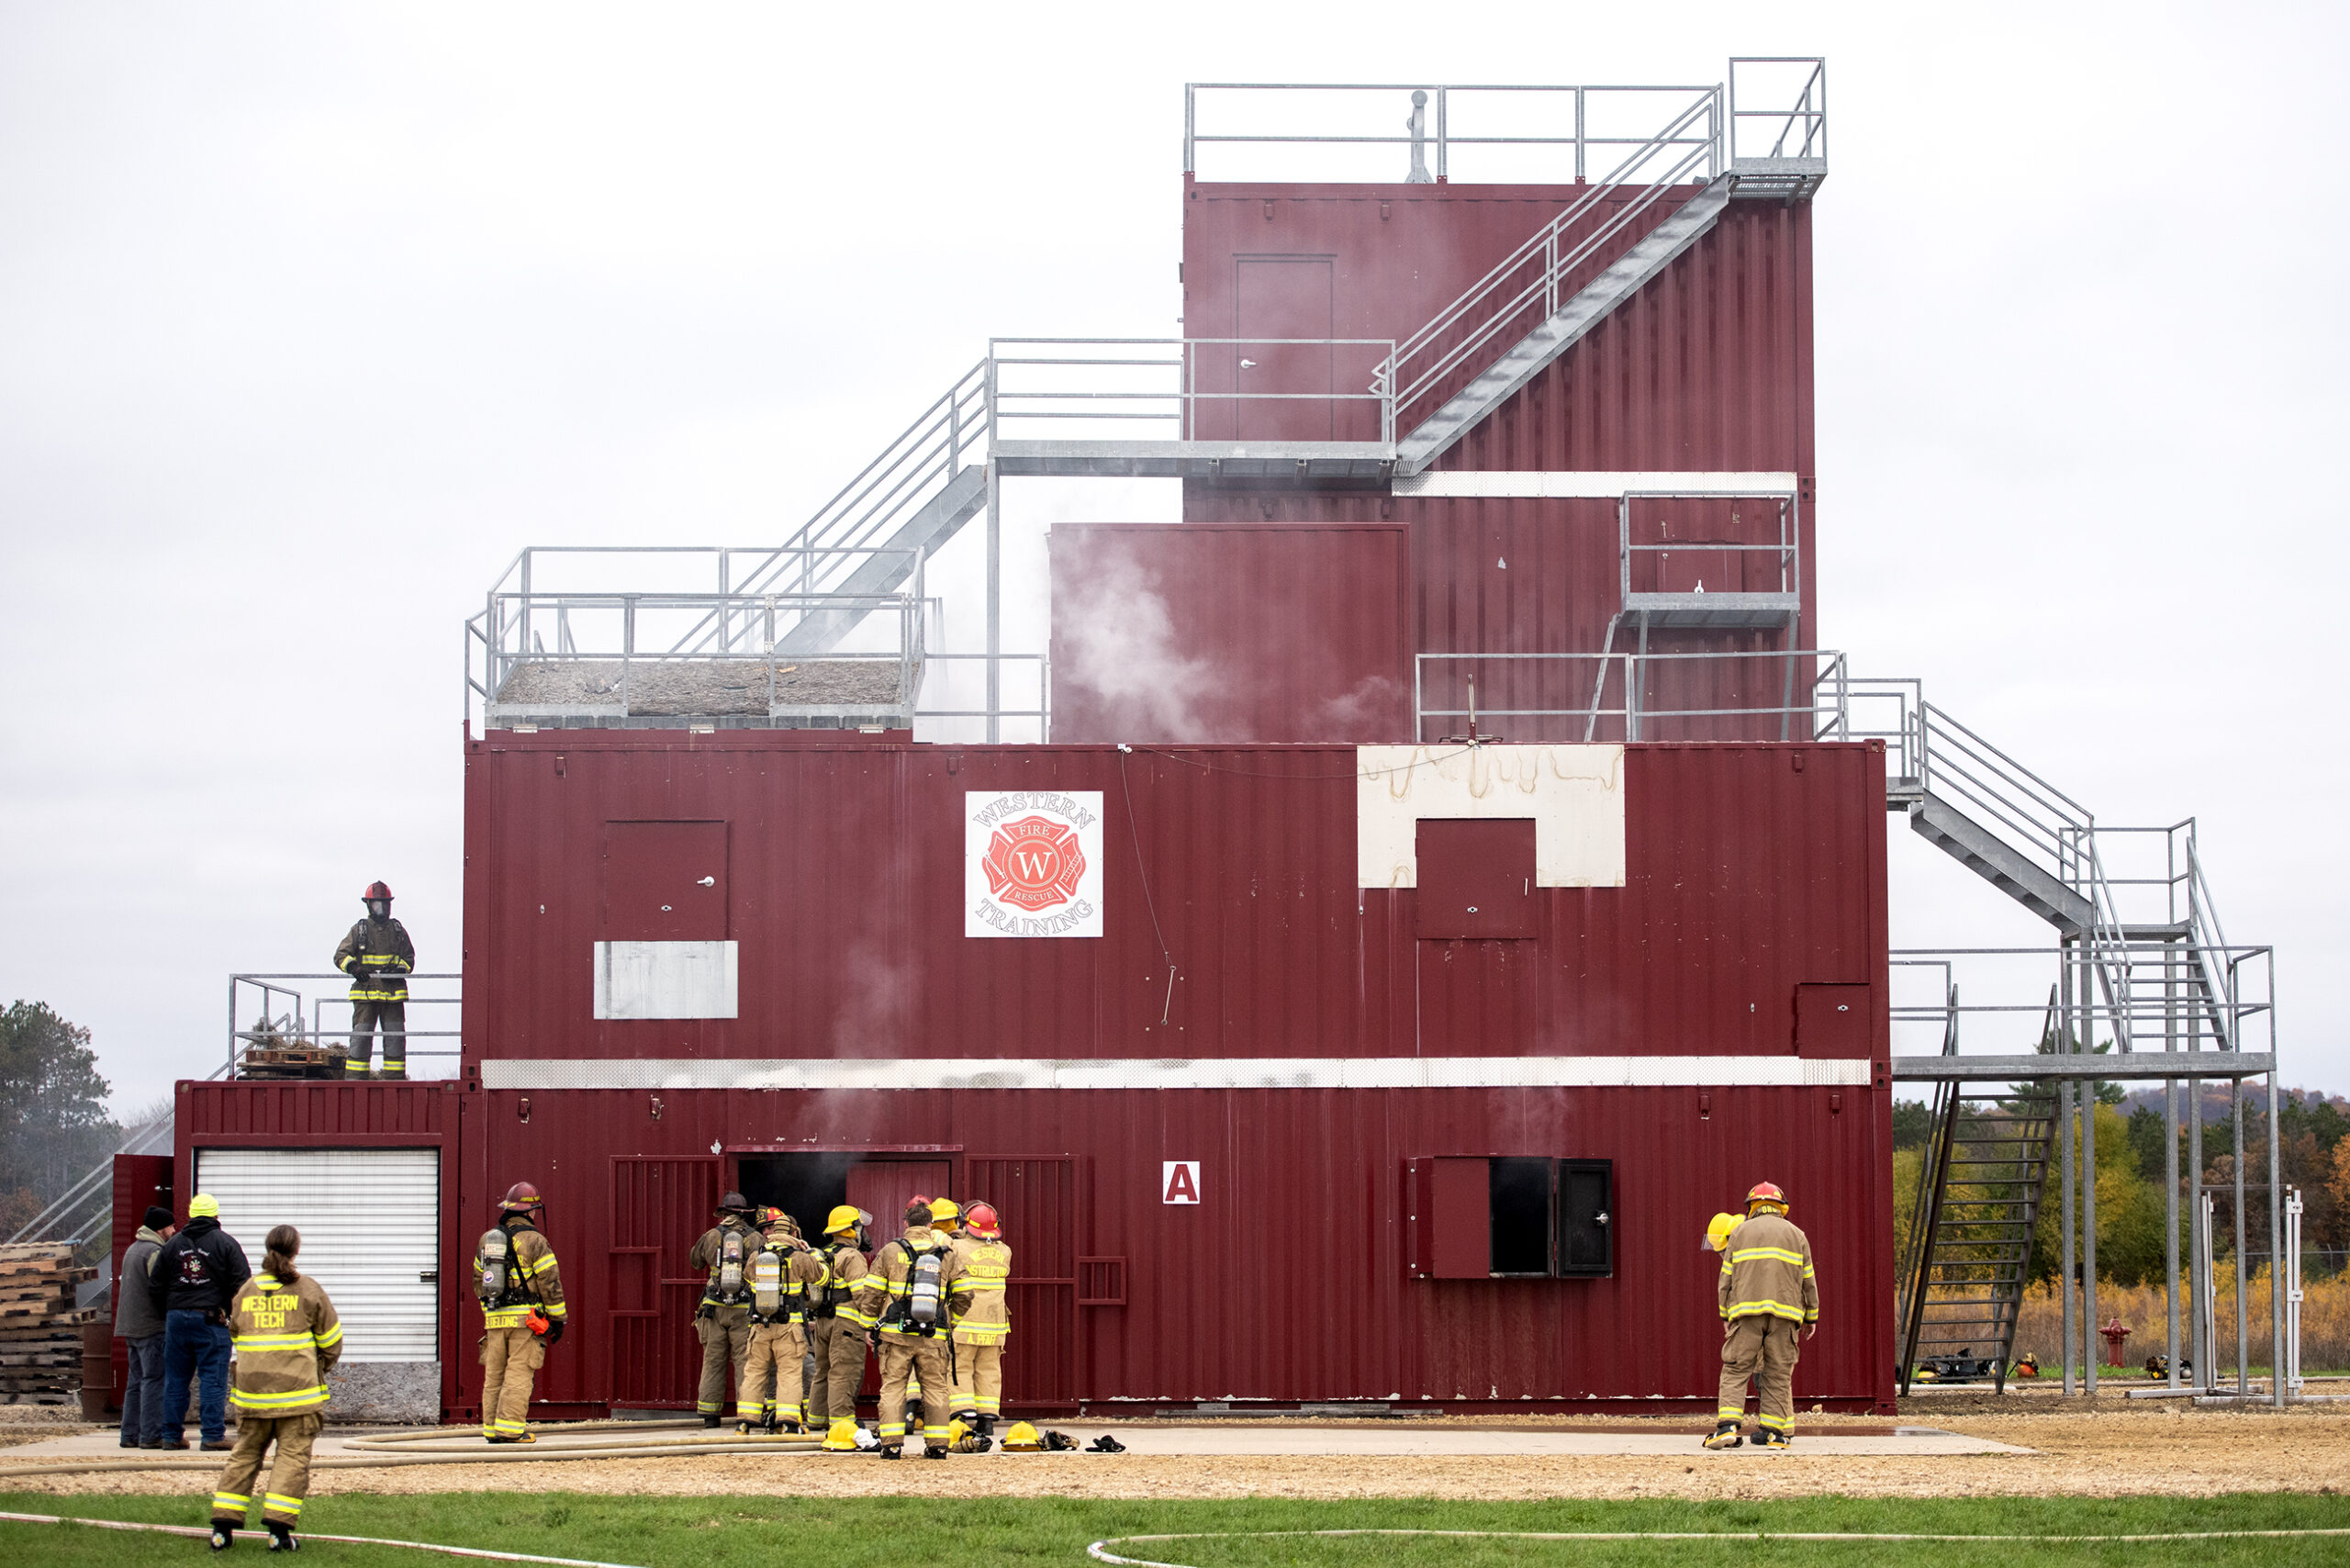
{"type": "Point", "coordinates": [731, 1532]}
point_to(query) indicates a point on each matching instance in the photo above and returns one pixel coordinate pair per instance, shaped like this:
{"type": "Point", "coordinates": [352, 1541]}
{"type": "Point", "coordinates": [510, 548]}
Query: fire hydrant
{"type": "Point", "coordinates": [2114, 1332]}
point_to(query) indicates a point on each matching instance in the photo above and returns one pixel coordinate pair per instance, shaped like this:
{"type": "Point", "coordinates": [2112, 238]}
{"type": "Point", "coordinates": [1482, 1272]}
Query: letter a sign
{"type": "Point", "coordinates": [1178, 1181]}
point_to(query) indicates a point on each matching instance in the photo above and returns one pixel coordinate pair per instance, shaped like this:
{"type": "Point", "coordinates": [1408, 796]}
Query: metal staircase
{"type": "Point", "coordinates": [864, 543]}
{"type": "Point", "coordinates": [1965, 1261]}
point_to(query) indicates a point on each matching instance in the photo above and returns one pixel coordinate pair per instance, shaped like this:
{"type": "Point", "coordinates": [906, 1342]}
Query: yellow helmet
{"type": "Point", "coordinates": [844, 1217]}
{"type": "Point", "coordinates": [1717, 1231]}
{"type": "Point", "coordinates": [841, 1437]}
{"type": "Point", "coordinates": [1021, 1438]}
{"type": "Point", "coordinates": [946, 1212]}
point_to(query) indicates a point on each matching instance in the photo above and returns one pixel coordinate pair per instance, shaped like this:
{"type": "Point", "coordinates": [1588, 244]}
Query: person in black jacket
{"type": "Point", "coordinates": [194, 1278]}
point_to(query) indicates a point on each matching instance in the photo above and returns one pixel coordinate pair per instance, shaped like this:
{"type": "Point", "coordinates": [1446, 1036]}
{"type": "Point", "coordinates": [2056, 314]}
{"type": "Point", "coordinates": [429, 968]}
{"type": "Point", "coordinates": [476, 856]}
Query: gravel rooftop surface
{"type": "Point", "coordinates": [713, 687]}
{"type": "Point", "coordinates": [2115, 1447]}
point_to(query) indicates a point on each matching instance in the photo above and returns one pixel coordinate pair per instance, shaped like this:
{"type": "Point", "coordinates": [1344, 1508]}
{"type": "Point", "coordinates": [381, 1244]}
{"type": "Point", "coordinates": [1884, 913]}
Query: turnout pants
{"type": "Point", "coordinates": [840, 1369]}
{"type": "Point", "coordinates": [289, 1473]}
{"type": "Point", "coordinates": [725, 1342]}
{"type": "Point", "coordinates": [508, 1358]}
{"type": "Point", "coordinates": [770, 1381]}
{"type": "Point", "coordinates": [978, 1378]}
{"type": "Point", "coordinates": [1767, 1345]}
{"type": "Point", "coordinates": [923, 1359]}
{"type": "Point", "coordinates": [365, 1018]}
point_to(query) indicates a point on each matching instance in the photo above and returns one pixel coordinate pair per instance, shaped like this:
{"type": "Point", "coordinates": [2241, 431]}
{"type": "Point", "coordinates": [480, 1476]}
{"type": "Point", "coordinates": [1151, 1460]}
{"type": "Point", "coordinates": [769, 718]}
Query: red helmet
{"type": "Point", "coordinates": [375, 890]}
{"type": "Point", "coordinates": [520, 1198]}
{"type": "Point", "coordinates": [980, 1220]}
{"type": "Point", "coordinates": [1766, 1192]}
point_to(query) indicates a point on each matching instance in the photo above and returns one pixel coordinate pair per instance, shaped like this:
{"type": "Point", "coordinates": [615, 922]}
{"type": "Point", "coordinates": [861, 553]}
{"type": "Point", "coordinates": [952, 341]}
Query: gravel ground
{"type": "Point", "coordinates": [713, 687]}
{"type": "Point", "coordinates": [2117, 1447]}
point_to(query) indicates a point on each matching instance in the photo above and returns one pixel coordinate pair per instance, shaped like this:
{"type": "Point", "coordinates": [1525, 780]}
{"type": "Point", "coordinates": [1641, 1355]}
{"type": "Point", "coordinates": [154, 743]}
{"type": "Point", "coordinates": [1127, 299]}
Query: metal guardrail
{"type": "Point", "coordinates": [1785, 552]}
{"type": "Point", "coordinates": [1794, 127]}
{"type": "Point", "coordinates": [255, 1022]}
{"type": "Point", "coordinates": [1428, 115]}
{"type": "Point", "coordinates": [1090, 381]}
{"type": "Point", "coordinates": [1818, 705]}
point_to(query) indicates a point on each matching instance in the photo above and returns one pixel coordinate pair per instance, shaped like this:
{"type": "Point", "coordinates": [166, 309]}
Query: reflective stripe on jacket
{"type": "Point", "coordinates": [530, 1257]}
{"type": "Point", "coordinates": [987, 1269]}
{"type": "Point", "coordinates": [287, 1339]}
{"type": "Point", "coordinates": [845, 1269]}
{"type": "Point", "coordinates": [884, 1287]}
{"type": "Point", "coordinates": [1766, 1271]}
{"type": "Point", "coordinates": [377, 956]}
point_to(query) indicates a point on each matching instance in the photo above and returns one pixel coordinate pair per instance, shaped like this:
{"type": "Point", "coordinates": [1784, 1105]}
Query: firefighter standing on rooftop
{"type": "Point", "coordinates": [837, 1331]}
{"type": "Point", "coordinates": [378, 957]}
{"type": "Point", "coordinates": [915, 1292]}
{"type": "Point", "coordinates": [980, 1331]}
{"type": "Point", "coordinates": [724, 1325]}
{"type": "Point", "coordinates": [1767, 1294]}
{"type": "Point", "coordinates": [522, 1301]}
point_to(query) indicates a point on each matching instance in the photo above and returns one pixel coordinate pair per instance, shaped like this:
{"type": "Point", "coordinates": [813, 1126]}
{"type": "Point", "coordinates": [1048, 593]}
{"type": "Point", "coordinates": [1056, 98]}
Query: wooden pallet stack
{"type": "Point", "coordinates": [40, 1330]}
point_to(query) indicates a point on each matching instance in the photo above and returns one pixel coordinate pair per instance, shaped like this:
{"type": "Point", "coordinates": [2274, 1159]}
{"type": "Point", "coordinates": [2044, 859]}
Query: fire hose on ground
{"type": "Point", "coordinates": [463, 1445]}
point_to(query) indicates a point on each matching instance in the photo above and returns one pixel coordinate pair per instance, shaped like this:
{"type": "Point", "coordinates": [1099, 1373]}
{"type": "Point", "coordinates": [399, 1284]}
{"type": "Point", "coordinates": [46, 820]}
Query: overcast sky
{"type": "Point", "coordinates": [314, 314]}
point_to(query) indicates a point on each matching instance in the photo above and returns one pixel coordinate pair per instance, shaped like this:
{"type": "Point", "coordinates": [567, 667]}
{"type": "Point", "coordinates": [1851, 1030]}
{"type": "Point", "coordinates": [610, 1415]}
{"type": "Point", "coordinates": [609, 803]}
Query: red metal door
{"type": "Point", "coordinates": [1035, 1200]}
{"type": "Point", "coordinates": [1282, 297]}
{"type": "Point", "coordinates": [140, 1180]}
{"type": "Point", "coordinates": [664, 881]}
{"type": "Point", "coordinates": [659, 1206]}
{"type": "Point", "coordinates": [1476, 877]}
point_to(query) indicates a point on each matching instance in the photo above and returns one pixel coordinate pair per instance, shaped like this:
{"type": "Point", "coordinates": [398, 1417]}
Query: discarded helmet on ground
{"type": "Point", "coordinates": [1021, 1439]}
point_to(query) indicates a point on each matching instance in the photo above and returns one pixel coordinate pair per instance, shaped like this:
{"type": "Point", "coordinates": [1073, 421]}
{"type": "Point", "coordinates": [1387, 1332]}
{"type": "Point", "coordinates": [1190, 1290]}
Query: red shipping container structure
{"type": "Point", "coordinates": [1308, 1055]}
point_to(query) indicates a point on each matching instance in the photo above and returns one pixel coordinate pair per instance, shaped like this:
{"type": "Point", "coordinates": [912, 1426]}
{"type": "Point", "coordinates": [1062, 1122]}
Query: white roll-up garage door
{"type": "Point", "coordinates": [370, 1220]}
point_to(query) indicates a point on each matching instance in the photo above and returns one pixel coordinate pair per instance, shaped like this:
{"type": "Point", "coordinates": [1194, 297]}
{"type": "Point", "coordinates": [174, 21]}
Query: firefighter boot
{"type": "Point", "coordinates": [1726, 1436]}
{"type": "Point", "coordinates": [224, 1533]}
{"type": "Point", "coordinates": [281, 1537]}
{"type": "Point", "coordinates": [1774, 1440]}
{"type": "Point", "coordinates": [709, 1422]}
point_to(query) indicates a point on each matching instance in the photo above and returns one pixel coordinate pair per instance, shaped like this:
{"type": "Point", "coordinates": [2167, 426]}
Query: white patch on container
{"type": "Point", "coordinates": [1574, 794]}
{"type": "Point", "coordinates": [1031, 863]}
{"type": "Point", "coordinates": [666, 979]}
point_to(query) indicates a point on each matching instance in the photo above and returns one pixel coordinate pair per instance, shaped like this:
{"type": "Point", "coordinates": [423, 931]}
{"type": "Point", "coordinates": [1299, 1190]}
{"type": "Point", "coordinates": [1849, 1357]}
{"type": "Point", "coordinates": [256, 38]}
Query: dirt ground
{"type": "Point", "coordinates": [2115, 1446]}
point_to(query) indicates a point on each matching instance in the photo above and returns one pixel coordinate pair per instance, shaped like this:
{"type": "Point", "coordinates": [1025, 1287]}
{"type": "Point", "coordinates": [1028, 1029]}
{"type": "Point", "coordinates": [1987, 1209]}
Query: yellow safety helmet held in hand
{"type": "Point", "coordinates": [1717, 1231]}
{"type": "Point", "coordinates": [1021, 1439]}
{"type": "Point", "coordinates": [844, 1217]}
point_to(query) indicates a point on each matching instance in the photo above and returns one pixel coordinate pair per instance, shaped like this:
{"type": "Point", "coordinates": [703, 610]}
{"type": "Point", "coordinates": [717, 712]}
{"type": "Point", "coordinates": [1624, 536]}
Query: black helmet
{"type": "Point", "coordinates": [734, 1204]}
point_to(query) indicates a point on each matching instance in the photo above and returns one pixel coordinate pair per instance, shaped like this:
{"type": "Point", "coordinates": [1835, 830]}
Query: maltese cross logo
{"type": "Point", "coordinates": [1033, 864]}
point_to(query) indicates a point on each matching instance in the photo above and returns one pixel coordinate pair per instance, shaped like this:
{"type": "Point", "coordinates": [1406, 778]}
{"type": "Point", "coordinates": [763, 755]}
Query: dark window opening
{"type": "Point", "coordinates": [1519, 1200]}
{"type": "Point", "coordinates": [808, 1187]}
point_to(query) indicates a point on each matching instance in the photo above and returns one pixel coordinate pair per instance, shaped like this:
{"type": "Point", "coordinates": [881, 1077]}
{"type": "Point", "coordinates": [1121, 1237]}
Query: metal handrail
{"type": "Point", "coordinates": [1805, 113]}
{"type": "Point", "coordinates": [303, 1022]}
{"type": "Point", "coordinates": [1178, 403]}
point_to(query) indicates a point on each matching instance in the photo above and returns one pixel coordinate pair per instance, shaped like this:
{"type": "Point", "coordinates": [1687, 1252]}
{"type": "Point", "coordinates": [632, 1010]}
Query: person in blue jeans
{"type": "Point", "coordinates": [139, 1324]}
{"type": "Point", "coordinates": [195, 1277]}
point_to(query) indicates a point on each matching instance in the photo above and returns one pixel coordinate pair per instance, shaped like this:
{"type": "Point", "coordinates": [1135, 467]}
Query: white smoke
{"type": "Point", "coordinates": [1118, 642]}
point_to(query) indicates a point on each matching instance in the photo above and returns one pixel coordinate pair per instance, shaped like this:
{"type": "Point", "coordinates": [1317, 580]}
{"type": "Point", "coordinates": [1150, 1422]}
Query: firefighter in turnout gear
{"type": "Point", "coordinates": [522, 1301]}
{"type": "Point", "coordinates": [723, 1324]}
{"type": "Point", "coordinates": [287, 1339]}
{"type": "Point", "coordinates": [914, 1294]}
{"type": "Point", "coordinates": [981, 1330]}
{"type": "Point", "coordinates": [378, 957]}
{"type": "Point", "coordinates": [782, 1271]}
{"type": "Point", "coordinates": [835, 1332]}
{"type": "Point", "coordinates": [1768, 1295]}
